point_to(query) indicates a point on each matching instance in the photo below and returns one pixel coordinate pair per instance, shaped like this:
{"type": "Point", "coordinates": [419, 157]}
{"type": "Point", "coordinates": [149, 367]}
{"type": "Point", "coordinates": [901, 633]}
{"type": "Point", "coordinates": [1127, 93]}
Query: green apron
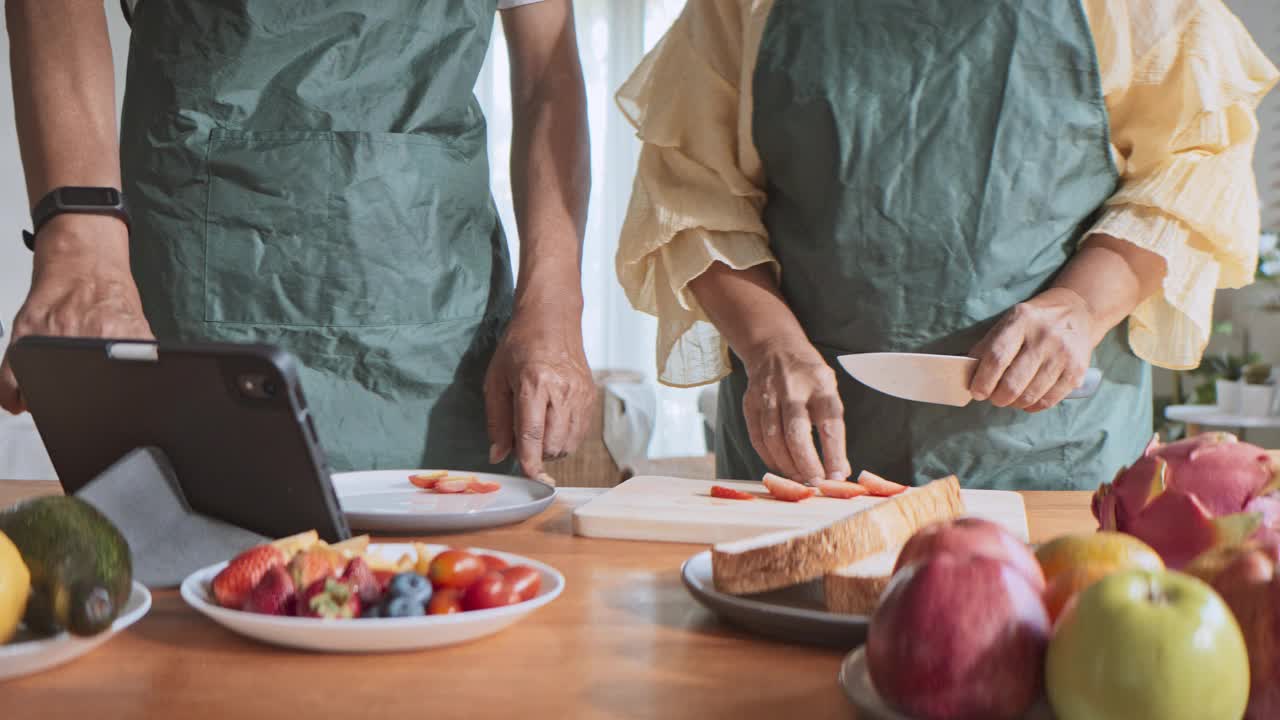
{"type": "Point", "coordinates": [313, 174]}
{"type": "Point", "coordinates": [930, 164]}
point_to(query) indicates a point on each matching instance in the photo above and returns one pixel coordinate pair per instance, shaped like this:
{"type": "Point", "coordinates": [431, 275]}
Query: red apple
{"type": "Point", "coordinates": [1250, 586]}
{"type": "Point", "coordinates": [959, 638]}
{"type": "Point", "coordinates": [972, 536]}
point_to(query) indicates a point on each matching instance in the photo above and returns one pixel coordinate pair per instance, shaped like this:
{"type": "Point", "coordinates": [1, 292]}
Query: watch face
{"type": "Point", "coordinates": [89, 196]}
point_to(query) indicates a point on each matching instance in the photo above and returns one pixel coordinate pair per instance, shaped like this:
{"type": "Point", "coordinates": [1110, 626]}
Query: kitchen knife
{"type": "Point", "coordinates": [941, 379]}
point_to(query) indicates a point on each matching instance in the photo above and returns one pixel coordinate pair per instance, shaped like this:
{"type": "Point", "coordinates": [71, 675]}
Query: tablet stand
{"type": "Point", "coordinates": [141, 495]}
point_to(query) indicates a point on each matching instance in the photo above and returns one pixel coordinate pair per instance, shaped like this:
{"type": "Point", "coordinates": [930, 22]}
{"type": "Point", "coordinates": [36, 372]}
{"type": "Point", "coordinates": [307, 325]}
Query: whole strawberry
{"type": "Point", "coordinates": [329, 599]}
{"type": "Point", "coordinates": [231, 586]}
{"type": "Point", "coordinates": [274, 593]}
{"type": "Point", "coordinates": [360, 577]}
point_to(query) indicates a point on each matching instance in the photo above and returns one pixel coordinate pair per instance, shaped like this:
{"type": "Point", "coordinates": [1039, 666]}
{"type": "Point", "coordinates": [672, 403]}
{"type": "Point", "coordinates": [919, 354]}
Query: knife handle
{"type": "Point", "coordinates": [1092, 379]}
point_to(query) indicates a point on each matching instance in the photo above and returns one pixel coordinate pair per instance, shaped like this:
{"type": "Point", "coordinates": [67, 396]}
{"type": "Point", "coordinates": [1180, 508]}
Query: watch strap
{"type": "Point", "coordinates": [78, 200]}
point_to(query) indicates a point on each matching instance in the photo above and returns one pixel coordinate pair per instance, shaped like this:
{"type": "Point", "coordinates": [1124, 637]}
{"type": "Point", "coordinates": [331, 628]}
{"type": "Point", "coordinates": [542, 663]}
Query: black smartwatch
{"type": "Point", "coordinates": [82, 200]}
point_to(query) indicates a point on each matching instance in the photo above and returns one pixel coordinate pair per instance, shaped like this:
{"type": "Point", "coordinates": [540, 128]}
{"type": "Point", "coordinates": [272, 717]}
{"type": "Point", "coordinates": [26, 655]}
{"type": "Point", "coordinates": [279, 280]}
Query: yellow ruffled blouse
{"type": "Point", "coordinates": [1182, 80]}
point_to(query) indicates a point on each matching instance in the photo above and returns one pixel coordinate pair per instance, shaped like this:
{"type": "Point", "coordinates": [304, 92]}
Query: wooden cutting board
{"type": "Point", "coordinates": [668, 509]}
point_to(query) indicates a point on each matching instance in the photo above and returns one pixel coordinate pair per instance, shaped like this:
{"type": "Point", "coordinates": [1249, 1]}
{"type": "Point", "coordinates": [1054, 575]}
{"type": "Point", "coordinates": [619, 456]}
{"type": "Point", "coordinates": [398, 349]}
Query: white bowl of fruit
{"type": "Point", "coordinates": [359, 597]}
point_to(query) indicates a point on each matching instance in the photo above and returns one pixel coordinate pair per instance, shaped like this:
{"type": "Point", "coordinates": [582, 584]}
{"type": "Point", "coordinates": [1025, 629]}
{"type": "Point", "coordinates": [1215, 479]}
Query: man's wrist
{"type": "Point", "coordinates": [71, 237]}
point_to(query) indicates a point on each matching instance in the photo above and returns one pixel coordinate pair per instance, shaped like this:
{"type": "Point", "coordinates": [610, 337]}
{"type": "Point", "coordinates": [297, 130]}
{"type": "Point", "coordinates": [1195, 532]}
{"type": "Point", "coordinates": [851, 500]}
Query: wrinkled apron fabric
{"type": "Point", "coordinates": [313, 174]}
{"type": "Point", "coordinates": [931, 164]}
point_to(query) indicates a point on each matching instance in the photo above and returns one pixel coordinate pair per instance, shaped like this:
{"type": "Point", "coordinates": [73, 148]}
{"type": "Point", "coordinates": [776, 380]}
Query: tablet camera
{"type": "Point", "coordinates": [257, 387]}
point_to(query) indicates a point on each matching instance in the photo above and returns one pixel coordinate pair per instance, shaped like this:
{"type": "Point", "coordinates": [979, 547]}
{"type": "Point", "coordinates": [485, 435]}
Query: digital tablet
{"type": "Point", "coordinates": [232, 420]}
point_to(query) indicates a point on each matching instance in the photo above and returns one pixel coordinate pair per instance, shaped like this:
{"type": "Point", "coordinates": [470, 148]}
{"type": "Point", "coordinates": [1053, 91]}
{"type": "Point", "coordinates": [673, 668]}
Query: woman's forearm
{"type": "Point", "coordinates": [1112, 277]}
{"type": "Point", "coordinates": [747, 308]}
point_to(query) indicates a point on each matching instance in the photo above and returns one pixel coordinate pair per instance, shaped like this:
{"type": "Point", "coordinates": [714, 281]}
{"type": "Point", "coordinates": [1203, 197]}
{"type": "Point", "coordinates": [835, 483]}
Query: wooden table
{"type": "Point", "coordinates": [624, 641]}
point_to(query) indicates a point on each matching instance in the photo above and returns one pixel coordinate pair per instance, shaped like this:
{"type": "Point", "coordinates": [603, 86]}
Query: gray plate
{"type": "Point", "coordinates": [385, 501]}
{"type": "Point", "coordinates": [856, 682]}
{"type": "Point", "coordinates": [794, 614]}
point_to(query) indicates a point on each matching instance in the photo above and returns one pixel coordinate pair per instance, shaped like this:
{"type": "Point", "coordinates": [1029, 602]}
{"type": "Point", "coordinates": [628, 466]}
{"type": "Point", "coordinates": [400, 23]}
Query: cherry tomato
{"type": "Point", "coordinates": [490, 591]}
{"type": "Point", "coordinates": [492, 563]}
{"type": "Point", "coordinates": [455, 569]}
{"type": "Point", "coordinates": [445, 602]}
{"type": "Point", "coordinates": [524, 580]}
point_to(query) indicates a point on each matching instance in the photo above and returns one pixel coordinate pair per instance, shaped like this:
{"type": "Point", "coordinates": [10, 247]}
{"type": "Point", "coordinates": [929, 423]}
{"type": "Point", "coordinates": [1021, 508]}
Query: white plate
{"type": "Point", "coordinates": [20, 658]}
{"type": "Point", "coordinates": [793, 614]}
{"type": "Point", "coordinates": [385, 500]}
{"type": "Point", "coordinates": [856, 682]}
{"type": "Point", "coordinates": [372, 635]}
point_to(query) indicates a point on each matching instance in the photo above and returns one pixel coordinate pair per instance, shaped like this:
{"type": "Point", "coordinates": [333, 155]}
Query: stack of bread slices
{"type": "Point", "coordinates": [853, 556]}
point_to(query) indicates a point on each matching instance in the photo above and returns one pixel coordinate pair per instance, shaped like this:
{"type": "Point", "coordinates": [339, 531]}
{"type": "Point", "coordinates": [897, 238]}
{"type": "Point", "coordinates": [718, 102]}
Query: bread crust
{"type": "Point", "coordinates": [783, 559]}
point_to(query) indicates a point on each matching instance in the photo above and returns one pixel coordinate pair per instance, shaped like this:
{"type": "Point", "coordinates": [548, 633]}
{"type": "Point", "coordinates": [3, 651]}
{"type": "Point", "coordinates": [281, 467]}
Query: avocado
{"type": "Point", "coordinates": [81, 569]}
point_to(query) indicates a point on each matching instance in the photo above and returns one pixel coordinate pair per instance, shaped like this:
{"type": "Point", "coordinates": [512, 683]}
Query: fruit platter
{"type": "Point", "coordinates": [357, 596]}
{"type": "Point", "coordinates": [66, 584]}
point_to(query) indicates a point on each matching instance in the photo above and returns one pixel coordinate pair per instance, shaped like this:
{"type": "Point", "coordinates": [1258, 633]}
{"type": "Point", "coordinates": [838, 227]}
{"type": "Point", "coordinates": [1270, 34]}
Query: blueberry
{"type": "Point", "coordinates": [401, 606]}
{"type": "Point", "coordinates": [373, 611]}
{"type": "Point", "coordinates": [410, 585]}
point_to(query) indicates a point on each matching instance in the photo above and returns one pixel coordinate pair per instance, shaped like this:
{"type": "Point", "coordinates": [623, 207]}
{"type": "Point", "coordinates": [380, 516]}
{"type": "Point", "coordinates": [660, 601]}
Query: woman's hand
{"type": "Point", "coordinates": [791, 391]}
{"type": "Point", "coordinates": [1037, 354]}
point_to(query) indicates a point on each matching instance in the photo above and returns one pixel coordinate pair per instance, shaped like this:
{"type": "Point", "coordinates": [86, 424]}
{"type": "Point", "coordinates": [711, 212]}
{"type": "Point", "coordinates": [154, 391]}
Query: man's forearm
{"type": "Point", "coordinates": [1112, 277]}
{"type": "Point", "coordinates": [64, 100]}
{"type": "Point", "coordinates": [550, 154]}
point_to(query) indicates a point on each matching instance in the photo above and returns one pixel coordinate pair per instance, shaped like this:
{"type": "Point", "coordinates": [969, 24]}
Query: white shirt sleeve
{"type": "Point", "coordinates": [508, 4]}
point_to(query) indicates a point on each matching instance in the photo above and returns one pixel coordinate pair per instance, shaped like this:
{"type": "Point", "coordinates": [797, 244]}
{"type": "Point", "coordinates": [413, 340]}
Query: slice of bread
{"type": "Point", "coordinates": [856, 589]}
{"type": "Point", "coordinates": [780, 559]}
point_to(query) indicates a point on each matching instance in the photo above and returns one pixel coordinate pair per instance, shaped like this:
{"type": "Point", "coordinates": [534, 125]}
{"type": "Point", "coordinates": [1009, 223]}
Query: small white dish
{"type": "Point", "coordinates": [26, 657]}
{"type": "Point", "coordinates": [386, 501]}
{"type": "Point", "coordinates": [372, 635]}
{"type": "Point", "coordinates": [855, 680]}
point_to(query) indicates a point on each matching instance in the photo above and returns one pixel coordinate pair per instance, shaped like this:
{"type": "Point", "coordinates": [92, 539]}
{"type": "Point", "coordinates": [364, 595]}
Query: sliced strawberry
{"type": "Point", "coordinates": [726, 493]}
{"type": "Point", "coordinates": [788, 490]}
{"type": "Point", "coordinates": [476, 485]}
{"type": "Point", "coordinates": [841, 489]}
{"type": "Point", "coordinates": [361, 578]}
{"type": "Point", "coordinates": [452, 486]}
{"type": "Point", "coordinates": [232, 585]}
{"type": "Point", "coordinates": [428, 480]}
{"type": "Point", "coordinates": [878, 486]}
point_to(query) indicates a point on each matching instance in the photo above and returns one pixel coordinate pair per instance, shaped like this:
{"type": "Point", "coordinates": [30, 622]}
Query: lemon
{"type": "Point", "coordinates": [15, 585]}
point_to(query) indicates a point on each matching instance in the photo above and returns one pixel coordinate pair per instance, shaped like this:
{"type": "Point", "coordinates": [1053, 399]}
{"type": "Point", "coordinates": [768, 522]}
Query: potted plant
{"type": "Point", "coordinates": [1257, 393]}
{"type": "Point", "coordinates": [1221, 373]}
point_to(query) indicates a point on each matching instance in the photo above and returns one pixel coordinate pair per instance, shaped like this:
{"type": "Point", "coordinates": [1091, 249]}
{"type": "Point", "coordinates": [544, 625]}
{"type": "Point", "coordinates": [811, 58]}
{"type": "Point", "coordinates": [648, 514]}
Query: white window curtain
{"type": "Point", "coordinates": [613, 35]}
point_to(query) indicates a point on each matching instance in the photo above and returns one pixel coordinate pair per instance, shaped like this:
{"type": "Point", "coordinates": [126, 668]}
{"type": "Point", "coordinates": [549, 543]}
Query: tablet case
{"type": "Point", "coordinates": [159, 438]}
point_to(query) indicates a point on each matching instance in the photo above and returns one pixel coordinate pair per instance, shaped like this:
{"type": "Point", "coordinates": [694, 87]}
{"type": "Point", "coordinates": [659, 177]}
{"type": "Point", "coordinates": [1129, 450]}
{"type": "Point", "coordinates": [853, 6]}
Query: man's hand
{"type": "Point", "coordinates": [791, 391]}
{"type": "Point", "coordinates": [80, 286]}
{"type": "Point", "coordinates": [1037, 354]}
{"type": "Point", "coordinates": [539, 387]}
{"type": "Point", "coordinates": [539, 390]}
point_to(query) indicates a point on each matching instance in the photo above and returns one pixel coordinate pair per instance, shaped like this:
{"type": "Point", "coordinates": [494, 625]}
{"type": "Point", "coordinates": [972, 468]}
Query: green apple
{"type": "Point", "coordinates": [1148, 644]}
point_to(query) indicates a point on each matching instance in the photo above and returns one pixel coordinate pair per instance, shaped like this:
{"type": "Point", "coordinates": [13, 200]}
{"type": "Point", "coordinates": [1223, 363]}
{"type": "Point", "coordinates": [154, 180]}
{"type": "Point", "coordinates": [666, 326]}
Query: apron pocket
{"type": "Point", "coordinates": [321, 228]}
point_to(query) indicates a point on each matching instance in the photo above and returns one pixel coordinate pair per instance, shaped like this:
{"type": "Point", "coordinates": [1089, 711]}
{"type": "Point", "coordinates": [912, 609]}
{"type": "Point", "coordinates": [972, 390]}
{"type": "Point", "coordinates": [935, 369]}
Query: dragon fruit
{"type": "Point", "coordinates": [1191, 496]}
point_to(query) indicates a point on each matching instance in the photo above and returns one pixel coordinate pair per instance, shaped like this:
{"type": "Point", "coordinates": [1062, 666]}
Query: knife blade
{"type": "Point", "coordinates": [939, 379]}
